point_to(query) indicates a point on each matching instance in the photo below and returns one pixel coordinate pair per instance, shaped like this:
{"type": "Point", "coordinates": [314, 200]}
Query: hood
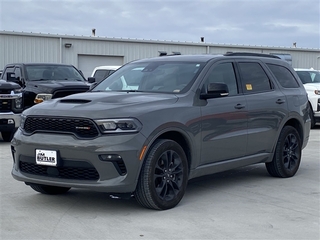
{"type": "Point", "coordinates": [312, 86]}
{"type": "Point", "coordinates": [97, 105]}
{"type": "Point", "coordinates": [48, 86]}
{"type": "Point", "coordinates": [4, 85]}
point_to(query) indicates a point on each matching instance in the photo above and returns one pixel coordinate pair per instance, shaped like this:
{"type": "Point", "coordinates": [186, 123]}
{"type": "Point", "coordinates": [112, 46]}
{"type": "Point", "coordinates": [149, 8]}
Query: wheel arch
{"type": "Point", "coordinates": [297, 125]}
{"type": "Point", "coordinates": [175, 135]}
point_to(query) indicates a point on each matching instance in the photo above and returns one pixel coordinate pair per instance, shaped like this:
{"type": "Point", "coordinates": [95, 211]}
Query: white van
{"type": "Point", "coordinates": [101, 72]}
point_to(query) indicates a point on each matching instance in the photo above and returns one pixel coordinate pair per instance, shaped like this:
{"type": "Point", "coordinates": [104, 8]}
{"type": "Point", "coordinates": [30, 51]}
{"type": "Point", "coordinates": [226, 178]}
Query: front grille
{"type": "Point", "coordinates": [64, 93]}
{"type": "Point", "coordinates": [6, 105]}
{"type": "Point", "coordinates": [81, 128]}
{"type": "Point", "coordinates": [77, 173]}
{"type": "Point", "coordinates": [5, 91]}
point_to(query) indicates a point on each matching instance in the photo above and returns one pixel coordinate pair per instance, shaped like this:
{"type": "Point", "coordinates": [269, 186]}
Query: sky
{"type": "Point", "coordinates": [272, 23]}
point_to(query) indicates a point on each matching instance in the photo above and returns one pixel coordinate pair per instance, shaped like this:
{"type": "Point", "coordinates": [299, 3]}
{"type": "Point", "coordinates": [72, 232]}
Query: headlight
{"type": "Point", "coordinates": [42, 97]}
{"type": "Point", "coordinates": [18, 103]}
{"type": "Point", "coordinates": [126, 125]}
{"type": "Point", "coordinates": [17, 91]}
{"type": "Point", "coordinates": [22, 120]}
{"type": "Point", "coordinates": [317, 92]}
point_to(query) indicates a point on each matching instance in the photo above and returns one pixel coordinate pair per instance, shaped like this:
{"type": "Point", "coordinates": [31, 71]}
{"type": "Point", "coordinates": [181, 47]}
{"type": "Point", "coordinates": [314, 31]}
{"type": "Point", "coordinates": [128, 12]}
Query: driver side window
{"type": "Point", "coordinates": [223, 73]}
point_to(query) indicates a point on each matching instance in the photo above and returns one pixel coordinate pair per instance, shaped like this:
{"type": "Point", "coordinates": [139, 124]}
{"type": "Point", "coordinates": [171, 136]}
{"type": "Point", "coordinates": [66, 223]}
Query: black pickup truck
{"type": "Point", "coordinates": [11, 105]}
{"type": "Point", "coordinates": [38, 82]}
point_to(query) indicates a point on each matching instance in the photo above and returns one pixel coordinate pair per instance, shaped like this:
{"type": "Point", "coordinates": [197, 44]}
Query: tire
{"type": "Point", "coordinates": [163, 177]}
{"type": "Point", "coordinates": [51, 190]}
{"type": "Point", "coordinates": [311, 114]}
{"type": "Point", "coordinates": [287, 156]}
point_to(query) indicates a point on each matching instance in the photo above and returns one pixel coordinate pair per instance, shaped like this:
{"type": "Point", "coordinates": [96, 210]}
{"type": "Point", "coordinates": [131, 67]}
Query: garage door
{"type": "Point", "coordinates": [86, 63]}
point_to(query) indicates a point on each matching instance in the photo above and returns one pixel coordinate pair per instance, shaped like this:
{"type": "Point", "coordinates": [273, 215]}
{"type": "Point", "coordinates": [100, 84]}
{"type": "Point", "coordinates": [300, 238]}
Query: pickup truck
{"type": "Point", "coordinates": [39, 82]}
{"type": "Point", "coordinates": [10, 108]}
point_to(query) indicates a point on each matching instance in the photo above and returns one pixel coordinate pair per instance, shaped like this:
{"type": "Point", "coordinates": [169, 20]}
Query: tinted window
{"type": "Point", "coordinates": [53, 72]}
{"type": "Point", "coordinates": [309, 76]}
{"type": "Point", "coordinates": [284, 76]}
{"type": "Point", "coordinates": [101, 74]}
{"type": "Point", "coordinates": [17, 73]}
{"type": "Point", "coordinates": [159, 76]}
{"type": "Point", "coordinates": [254, 78]}
{"type": "Point", "coordinates": [8, 70]}
{"type": "Point", "coordinates": [223, 73]}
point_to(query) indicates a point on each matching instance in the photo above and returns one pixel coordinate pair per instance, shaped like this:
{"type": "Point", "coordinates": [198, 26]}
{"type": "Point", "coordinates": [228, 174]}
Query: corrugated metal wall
{"type": "Point", "coordinates": [30, 47]}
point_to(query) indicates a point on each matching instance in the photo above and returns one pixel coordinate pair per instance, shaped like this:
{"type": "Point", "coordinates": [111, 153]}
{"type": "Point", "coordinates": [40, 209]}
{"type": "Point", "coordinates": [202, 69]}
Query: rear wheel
{"type": "Point", "coordinates": [164, 175]}
{"type": "Point", "coordinates": [287, 156]}
{"type": "Point", "coordinates": [45, 189]}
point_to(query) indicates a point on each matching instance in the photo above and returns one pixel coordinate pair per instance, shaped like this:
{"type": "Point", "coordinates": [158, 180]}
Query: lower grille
{"type": "Point", "coordinates": [77, 173]}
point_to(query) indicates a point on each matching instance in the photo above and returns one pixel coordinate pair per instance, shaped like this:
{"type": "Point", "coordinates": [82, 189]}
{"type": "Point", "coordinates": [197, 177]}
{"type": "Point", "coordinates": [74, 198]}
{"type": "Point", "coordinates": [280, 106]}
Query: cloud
{"type": "Point", "coordinates": [249, 22]}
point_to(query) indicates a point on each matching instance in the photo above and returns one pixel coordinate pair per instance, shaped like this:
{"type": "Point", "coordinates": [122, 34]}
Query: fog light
{"type": "Point", "coordinates": [10, 121]}
{"type": "Point", "coordinates": [110, 157]}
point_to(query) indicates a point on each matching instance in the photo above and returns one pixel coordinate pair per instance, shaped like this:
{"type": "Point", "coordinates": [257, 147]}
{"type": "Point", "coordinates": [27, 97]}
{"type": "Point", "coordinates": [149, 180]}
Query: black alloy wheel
{"type": "Point", "coordinates": [164, 175]}
{"type": "Point", "coordinates": [287, 156]}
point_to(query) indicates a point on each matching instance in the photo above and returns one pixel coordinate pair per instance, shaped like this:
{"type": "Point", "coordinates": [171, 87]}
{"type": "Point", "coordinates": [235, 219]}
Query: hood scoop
{"type": "Point", "coordinates": [75, 101]}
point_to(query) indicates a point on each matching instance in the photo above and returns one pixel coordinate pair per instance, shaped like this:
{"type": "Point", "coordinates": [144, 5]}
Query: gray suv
{"type": "Point", "coordinates": [156, 123]}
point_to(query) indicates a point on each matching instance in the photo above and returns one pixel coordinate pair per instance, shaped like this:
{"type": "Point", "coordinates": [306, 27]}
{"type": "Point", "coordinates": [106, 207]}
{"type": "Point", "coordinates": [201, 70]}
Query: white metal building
{"type": "Point", "coordinates": [86, 53]}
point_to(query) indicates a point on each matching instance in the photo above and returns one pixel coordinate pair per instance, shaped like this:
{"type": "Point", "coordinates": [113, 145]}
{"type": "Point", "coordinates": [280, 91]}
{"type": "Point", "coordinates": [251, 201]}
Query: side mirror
{"type": "Point", "coordinates": [215, 90]}
{"type": "Point", "coordinates": [91, 79]}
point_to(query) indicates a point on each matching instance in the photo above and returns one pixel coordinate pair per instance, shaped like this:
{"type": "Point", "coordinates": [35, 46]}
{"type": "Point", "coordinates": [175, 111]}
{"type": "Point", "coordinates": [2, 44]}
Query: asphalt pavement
{"type": "Point", "coordinates": [245, 203]}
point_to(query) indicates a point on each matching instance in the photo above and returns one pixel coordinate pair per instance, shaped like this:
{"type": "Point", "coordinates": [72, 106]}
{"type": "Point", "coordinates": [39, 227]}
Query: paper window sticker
{"type": "Point", "coordinates": [249, 87]}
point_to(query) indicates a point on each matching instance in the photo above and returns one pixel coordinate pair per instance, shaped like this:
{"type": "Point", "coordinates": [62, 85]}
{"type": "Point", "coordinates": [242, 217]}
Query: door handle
{"type": "Point", "coordinates": [280, 101]}
{"type": "Point", "coordinates": [239, 106]}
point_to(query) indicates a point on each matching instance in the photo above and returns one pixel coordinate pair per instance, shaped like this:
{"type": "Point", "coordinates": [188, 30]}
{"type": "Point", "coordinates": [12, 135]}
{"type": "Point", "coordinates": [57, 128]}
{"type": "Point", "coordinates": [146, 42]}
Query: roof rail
{"type": "Point", "coordinates": [250, 54]}
{"type": "Point", "coordinates": [164, 53]}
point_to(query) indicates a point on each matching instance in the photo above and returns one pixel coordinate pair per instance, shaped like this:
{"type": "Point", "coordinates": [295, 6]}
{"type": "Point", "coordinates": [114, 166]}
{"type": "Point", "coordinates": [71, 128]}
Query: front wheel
{"type": "Point", "coordinates": [163, 177]}
{"type": "Point", "coordinates": [45, 189]}
{"type": "Point", "coordinates": [287, 156]}
{"type": "Point", "coordinates": [311, 114]}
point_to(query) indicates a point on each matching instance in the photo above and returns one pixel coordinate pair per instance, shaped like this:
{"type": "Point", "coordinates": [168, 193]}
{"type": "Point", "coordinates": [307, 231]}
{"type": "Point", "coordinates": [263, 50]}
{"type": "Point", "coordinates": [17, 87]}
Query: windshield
{"type": "Point", "coordinates": [309, 76]}
{"type": "Point", "coordinates": [152, 77]}
{"type": "Point", "coordinates": [53, 72]}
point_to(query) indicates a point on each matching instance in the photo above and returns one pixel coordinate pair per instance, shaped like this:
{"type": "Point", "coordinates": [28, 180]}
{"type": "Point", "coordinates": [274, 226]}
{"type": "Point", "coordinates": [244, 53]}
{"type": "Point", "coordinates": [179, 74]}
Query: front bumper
{"type": "Point", "coordinates": [82, 163]}
{"type": "Point", "coordinates": [9, 121]}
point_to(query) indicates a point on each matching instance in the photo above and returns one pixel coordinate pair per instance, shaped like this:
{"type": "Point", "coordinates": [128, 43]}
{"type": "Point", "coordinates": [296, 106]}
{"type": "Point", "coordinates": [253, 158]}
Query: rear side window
{"type": "Point", "coordinates": [253, 78]}
{"type": "Point", "coordinates": [284, 76]}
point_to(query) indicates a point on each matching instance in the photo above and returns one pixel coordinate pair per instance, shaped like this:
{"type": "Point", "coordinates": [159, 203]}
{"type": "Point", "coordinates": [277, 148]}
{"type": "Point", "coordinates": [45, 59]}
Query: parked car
{"type": "Point", "coordinates": [156, 123]}
{"type": "Point", "coordinates": [101, 72]}
{"type": "Point", "coordinates": [11, 106]}
{"type": "Point", "coordinates": [39, 82]}
{"type": "Point", "coordinates": [43, 81]}
{"type": "Point", "coordinates": [311, 81]}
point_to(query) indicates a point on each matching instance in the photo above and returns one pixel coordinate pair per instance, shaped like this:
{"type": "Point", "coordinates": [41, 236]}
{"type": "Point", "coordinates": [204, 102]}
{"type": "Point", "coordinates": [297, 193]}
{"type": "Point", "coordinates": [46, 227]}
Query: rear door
{"type": "Point", "coordinates": [266, 105]}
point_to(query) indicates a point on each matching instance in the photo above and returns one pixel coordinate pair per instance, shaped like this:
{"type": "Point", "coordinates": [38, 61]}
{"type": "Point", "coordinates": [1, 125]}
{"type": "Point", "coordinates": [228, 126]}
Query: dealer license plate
{"type": "Point", "coordinates": [46, 157]}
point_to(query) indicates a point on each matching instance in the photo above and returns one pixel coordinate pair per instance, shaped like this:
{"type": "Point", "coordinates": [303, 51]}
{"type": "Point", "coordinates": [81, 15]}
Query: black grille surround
{"type": "Point", "coordinates": [80, 127]}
